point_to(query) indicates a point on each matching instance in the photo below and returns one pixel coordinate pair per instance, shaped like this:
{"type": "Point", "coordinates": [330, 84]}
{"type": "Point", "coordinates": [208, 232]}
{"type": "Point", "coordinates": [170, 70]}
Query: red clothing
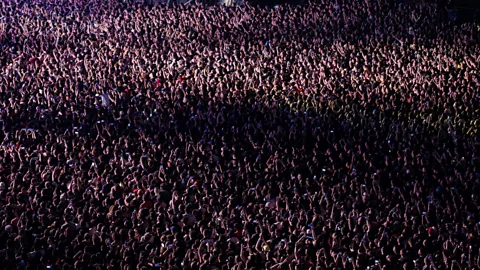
{"type": "Point", "coordinates": [146, 205]}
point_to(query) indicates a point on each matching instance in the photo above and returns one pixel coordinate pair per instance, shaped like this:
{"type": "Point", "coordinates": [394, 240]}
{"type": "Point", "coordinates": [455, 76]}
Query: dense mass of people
{"type": "Point", "coordinates": [332, 135]}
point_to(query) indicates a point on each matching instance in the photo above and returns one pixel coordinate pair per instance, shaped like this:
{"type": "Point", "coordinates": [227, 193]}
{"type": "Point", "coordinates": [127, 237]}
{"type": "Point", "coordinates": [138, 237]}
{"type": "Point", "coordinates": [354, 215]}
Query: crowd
{"type": "Point", "coordinates": [332, 135]}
